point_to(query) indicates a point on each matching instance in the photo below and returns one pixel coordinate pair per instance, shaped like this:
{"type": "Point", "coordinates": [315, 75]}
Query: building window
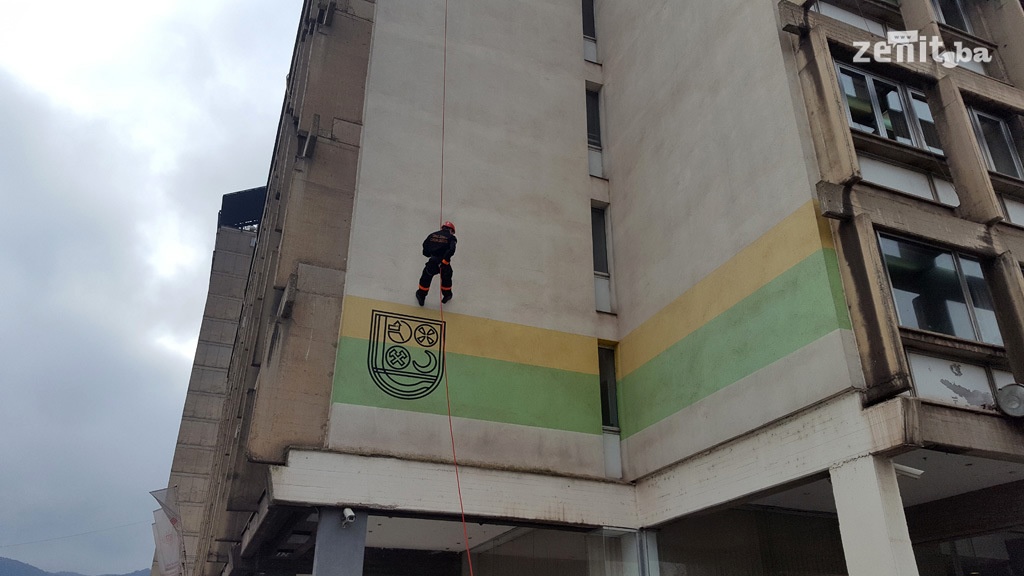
{"type": "Point", "coordinates": [853, 19]}
{"type": "Point", "coordinates": [952, 381]}
{"type": "Point", "coordinates": [996, 553]}
{"type": "Point", "coordinates": [925, 121]}
{"type": "Point", "coordinates": [595, 158]}
{"type": "Point", "coordinates": [589, 32]}
{"type": "Point", "coordinates": [589, 22]}
{"type": "Point", "coordinates": [940, 291]}
{"type": "Point", "coordinates": [593, 119]}
{"type": "Point", "coordinates": [602, 272]}
{"type": "Point", "coordinates": [879, 106]}
{"type": "Point", "coordinates": [997, 144]}
{"type": "Point", "coordinates": [609, 394]}
{"type": "Point", "coordinates": [914, 182]}
{"type": "Point", "coordinates": [1014, 210]}
{"type": "Point", "coordinates": [952, 13]}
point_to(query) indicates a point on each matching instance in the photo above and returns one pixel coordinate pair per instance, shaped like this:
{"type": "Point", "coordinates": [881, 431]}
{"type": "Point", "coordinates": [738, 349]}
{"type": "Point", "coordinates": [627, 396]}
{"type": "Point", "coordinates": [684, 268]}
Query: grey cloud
{"type": "Point", "coordinates": [90, 405]}
{"type": "Point", "coordinates": [92, 408]}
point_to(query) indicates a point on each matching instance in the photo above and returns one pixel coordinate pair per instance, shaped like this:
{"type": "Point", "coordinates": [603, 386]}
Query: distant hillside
{"type": "Point", "coordinates": [10, 567]}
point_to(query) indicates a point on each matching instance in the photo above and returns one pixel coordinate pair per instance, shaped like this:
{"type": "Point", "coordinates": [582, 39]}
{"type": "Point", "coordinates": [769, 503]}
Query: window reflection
{"type": "Point", "coordinates": [858, 100]}
{"type": "Point", "coordinates": [939, 291]}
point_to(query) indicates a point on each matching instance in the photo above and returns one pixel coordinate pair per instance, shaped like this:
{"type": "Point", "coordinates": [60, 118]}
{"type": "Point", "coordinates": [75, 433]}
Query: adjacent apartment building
{"type": "Point", "coordinates": [738, 291]}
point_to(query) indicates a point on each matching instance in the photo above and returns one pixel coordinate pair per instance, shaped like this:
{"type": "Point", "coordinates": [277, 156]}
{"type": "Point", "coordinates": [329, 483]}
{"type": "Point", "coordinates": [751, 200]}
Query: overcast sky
{"type": "Point", "coordinates": [122, 122]}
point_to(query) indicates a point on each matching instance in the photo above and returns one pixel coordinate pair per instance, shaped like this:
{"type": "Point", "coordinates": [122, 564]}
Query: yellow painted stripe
{"type": "Point", "coordinates": [796, 237]}
{"type": "Point", "coordinates": [485, 338]}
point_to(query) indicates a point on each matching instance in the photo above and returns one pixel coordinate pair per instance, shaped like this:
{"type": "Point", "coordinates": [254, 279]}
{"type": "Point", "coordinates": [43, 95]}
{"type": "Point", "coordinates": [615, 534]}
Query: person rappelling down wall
{"type": "Point", "coordinates": [439, 248]}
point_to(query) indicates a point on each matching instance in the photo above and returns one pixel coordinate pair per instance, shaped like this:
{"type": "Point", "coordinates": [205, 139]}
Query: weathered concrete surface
{"type": "Point", "coordinates": [195, 451]}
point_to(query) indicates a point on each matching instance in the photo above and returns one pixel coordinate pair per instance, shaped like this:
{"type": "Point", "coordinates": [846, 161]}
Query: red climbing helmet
{"type": "Point", "coordinates": [449, 225]}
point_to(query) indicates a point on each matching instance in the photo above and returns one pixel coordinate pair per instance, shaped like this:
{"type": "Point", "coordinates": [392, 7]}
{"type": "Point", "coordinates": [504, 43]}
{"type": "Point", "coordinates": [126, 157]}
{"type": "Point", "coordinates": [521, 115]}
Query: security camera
{"type": "Point", "coordinates": [348, 515]}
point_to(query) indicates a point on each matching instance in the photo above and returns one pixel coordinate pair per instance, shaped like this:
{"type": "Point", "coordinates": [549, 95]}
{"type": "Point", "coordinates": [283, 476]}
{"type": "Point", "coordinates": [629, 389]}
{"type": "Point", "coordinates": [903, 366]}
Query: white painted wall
{"type": "Point", "coordinates": [516, 179]}
{"type": "Point", "coordinates": [706, 143]}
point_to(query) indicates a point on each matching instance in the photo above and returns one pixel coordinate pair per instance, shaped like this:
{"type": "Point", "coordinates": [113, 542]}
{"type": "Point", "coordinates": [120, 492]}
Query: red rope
{"type": "Point", "coordinates": [444, 355]}
{"type": "Point", "coordinates": [444, 100]}
{"type": "Point", "coordinates": [455, 459]}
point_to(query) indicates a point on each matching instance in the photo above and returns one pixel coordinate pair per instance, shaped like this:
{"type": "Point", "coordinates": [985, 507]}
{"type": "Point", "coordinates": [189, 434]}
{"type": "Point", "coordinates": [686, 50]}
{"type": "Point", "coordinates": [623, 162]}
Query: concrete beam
{"type": "Point", "coordinates": [871, 521]}
{"type": "Point", "coordinates": [1012, 238]}
{"type": "Point", "coordinates": [322, 478]}
{"type": "Point", "coordinates": [972, 433]}
{"type": "Point", "coordinates": [795, 448]}
{"type": "Point", "coordinates": [911, 217]}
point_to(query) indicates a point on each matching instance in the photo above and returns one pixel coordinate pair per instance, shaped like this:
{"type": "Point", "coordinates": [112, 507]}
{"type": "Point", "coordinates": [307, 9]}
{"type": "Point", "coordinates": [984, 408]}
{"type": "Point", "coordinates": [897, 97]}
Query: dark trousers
{"type": "Point", "coordinates": [431, 269]}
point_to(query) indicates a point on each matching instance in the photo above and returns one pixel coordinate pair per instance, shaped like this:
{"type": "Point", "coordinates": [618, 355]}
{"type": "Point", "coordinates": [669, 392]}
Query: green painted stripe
{"type": "Point", "coordinates": [835, 283]}
{"type": "Point", "coordinates": [796, 308]}
{"type": "Point", "coordinates": [483, 389]}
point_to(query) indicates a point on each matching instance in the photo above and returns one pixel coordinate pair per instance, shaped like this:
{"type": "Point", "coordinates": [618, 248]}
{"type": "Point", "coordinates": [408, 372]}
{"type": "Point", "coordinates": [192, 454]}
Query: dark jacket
{"type": "Point", "coordinates": [440, 244]}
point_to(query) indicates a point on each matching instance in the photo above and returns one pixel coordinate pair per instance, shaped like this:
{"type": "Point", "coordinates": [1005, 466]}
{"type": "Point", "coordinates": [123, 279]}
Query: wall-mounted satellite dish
{"type": "Point", "coordinates": [1010, 399]}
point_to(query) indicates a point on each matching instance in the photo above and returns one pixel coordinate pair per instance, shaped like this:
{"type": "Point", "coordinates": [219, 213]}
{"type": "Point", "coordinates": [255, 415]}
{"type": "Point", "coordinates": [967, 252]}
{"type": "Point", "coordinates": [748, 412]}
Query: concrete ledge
{"type": "Point", "coordinates": [795, 448]}
{"type": "Point", "coordinates": [400, 433]}
{"type": "Point", "coordinates": [332, 479]}
{"type": "Point", "coordinates": [971, 433]}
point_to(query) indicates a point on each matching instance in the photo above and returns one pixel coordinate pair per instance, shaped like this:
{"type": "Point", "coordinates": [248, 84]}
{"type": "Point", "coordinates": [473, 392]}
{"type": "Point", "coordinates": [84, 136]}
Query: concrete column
{"type": "Point", "coordinates": [1006, 282]}
{"type": "Point", "coordinates": [871, 520]}
{"type": "Point", "coordinates": [920, 15]}
{"type": "Point", "coordinates": [978, 201]}
{"type": "Point", "coordinates": [875, 322]}
{"type": "Point", "coordinates": [833, 143]}
{"type": "Point", "coordinates": [339, 546]}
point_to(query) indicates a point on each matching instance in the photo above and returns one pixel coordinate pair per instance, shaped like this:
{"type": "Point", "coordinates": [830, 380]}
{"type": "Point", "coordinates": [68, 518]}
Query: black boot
{"type": "Point", "coordinates": [421, 297]}
{"type": "Point", "coordinates": [447, 296]}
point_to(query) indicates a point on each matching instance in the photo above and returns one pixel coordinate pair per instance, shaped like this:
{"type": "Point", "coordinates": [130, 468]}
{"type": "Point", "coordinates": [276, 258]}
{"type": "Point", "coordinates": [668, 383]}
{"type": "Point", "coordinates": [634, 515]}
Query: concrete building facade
{"type": "Point", "coordinates": [730, 298]}
{"type": "Point", "coordinates": [195, 452]}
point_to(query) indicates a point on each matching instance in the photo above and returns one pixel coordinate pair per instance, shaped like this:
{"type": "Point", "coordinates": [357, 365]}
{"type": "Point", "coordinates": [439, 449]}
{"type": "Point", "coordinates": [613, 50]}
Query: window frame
{"type": "Point", "coordinates": [603, 227]}
{"type": "Point", "coordinates": [602, 275]}
{"type": "Point", "coordinates": [610, 393]}
{"type": "Point", "coordinates": [594, 136]}
{"type": "Point", "coordinates": [936, 197]}
{"type": "Point", "coordinates": [961, 281]}
{"type": "Point", "coordinates": [885, 26]}
{"type": "Point", "coordinates": [968, 26]}
{"type": "Point", "coordinates": [589, 17]}
{"type": "Point", "coordinates": [989, 366]}
{"type": "Point", "coordinates": [904, 92]}
{"type": "Point", "coordinates": [1011, 218]}
{"type": "Point", "coordinates": [976, 116]}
